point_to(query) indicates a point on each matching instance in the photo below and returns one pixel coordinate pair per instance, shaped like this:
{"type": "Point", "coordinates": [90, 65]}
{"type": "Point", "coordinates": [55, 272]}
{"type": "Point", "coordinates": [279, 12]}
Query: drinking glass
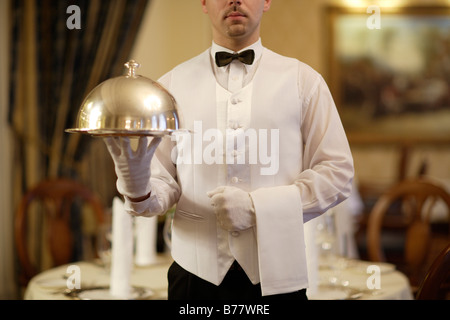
{"type": "Point", "coordinates": [104, 245]}
{"type": "Point", "coordinates": [330, 257]}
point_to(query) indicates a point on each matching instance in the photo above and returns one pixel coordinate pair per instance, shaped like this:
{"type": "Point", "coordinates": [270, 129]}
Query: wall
{"type": "Point", "coordinates": [175, 30]}
{"type": "Point", "coordinates": [7, 285]}
{"type": "Point", "coordinates": [172, 32]}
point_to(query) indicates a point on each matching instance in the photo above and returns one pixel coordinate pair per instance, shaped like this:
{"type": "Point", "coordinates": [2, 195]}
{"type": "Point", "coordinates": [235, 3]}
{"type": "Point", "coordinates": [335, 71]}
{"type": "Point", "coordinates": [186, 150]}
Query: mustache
{"type": "Point", "coordinates": [234, 9]}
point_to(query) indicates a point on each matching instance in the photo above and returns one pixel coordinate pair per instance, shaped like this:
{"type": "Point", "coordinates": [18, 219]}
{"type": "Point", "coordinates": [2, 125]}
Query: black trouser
{"type": "Point", "coordinates": [184, 285]}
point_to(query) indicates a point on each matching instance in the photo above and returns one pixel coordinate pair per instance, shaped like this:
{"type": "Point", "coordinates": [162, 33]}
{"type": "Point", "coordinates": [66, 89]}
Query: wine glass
{"type": "Point", "coordinates": [330, 256]}
{"type": "Point", "coordinates": [326, 239]}
{"type": "Point", "coordinates": [104, 244]}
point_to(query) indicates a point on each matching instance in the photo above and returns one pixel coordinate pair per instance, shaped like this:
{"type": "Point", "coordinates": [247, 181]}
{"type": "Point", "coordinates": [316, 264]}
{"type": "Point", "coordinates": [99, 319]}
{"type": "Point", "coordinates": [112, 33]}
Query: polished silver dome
{"type": "Point", "coordinates": [130, 105]}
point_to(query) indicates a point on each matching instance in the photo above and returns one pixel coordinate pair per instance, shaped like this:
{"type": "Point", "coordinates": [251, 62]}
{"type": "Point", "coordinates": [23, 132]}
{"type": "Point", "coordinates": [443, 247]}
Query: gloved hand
{"type": "Point", "coordinates": [233, 207]}
{"type": "Point", "coordinates": [132, 167]}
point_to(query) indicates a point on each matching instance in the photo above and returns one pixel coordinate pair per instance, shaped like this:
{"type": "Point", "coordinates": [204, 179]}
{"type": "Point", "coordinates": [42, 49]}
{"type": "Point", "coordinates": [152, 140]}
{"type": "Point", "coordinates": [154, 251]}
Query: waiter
{"type": "Point", "coordinates": [264, 152]}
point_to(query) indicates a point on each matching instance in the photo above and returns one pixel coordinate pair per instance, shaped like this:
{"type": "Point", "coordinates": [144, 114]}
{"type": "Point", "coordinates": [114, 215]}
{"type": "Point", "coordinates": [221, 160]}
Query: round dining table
{"type": "Point", "coordinates": [351, 280]}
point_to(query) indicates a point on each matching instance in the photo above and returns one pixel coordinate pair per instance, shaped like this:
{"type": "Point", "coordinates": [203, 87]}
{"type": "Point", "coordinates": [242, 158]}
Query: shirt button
{"type": "Point", "coordinates": [235, 234]}
{"type": "Point", "coordinates": [234, 125]}
{"type": "Point", "coordinates": [235, 101]}
{"type": "Point", "coordinates": [234, 180]}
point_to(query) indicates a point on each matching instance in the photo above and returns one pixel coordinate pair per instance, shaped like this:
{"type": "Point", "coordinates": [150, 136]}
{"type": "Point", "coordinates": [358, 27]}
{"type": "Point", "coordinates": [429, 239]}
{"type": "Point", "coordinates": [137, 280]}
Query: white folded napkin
{"type": "Point", "coordinates": [282, 256]}
{"type": "Point", "coordinates": [122, 251]}
{"type": "Point", "coordinates": [146, 237]}
{"type": "Point", "coordinates": [312, 255]}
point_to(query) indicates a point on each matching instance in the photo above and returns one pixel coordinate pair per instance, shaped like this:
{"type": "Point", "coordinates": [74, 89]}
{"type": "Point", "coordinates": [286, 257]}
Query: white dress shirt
{"type": "Point", "coordinates": [236, 75]}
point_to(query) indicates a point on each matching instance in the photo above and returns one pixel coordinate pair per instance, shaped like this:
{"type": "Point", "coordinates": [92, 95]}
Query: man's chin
{"type": "Point", "coordinates": [236, 30]}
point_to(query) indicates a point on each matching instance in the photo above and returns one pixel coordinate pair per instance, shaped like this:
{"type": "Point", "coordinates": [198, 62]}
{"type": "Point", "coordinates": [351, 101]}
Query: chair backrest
{"type": "Point", "coordinates": [436, 285]}
{"type": "Point", "coordinates": [413, 201]}
{"type": "Point", "coordinates": [51, 204]}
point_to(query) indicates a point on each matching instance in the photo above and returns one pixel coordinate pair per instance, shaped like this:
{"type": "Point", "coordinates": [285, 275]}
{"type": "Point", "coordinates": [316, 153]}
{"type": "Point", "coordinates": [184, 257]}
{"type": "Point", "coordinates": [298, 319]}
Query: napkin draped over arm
{"type": "Point", "coordinates": [280, 237]}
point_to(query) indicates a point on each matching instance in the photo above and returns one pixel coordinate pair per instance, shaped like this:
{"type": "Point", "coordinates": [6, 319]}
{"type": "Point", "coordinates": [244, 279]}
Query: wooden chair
{"type": "Point", "coordinates": [409, 205]}
{"type": "Point", "coordinates": [436, 285]}
{"type": "Point", "coordinates": [50, 207]}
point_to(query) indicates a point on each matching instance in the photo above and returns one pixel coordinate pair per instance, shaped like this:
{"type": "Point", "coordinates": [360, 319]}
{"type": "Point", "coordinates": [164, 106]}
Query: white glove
{"type": "Point", "coordinates": [132, 167]}
{"type": "Point", "coordinates": [233, 207]}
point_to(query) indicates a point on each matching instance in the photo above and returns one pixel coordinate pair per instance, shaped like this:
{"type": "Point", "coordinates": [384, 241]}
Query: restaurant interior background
{"type": "Point", "coordinates": [171, 32]}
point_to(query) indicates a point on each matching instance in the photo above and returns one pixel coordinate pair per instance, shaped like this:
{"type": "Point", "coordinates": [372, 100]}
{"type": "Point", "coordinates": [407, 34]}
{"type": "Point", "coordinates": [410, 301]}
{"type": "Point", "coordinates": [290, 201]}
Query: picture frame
{"type": "Point", "coordinates": [389, 72]}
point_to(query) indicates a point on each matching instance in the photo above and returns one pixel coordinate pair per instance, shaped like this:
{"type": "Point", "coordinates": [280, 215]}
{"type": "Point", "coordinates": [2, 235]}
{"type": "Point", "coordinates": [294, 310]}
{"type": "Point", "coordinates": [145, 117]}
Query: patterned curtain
{"type": "Point", "coordinates": [53, 67]}
{"type": "Point", "coordinates": [57, 56]}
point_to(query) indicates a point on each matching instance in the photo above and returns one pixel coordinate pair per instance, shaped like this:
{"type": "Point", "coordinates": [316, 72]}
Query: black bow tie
{"type": "Point", "coordinates": [224, 58]}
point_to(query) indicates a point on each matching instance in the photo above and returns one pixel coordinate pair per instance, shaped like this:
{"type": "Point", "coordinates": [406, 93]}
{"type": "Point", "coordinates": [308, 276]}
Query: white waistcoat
{"type": "Point", "coordinates": [272, 253]}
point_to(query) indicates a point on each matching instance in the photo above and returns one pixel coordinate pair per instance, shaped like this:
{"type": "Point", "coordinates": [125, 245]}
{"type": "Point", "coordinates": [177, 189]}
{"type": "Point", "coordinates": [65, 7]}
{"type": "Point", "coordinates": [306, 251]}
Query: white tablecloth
{"type": "Point", "coordinates": [362, 280]}
{"type": "Point", "coordinates": [351, 282]}
{"type": "Point", "coordinates": [52, 284]}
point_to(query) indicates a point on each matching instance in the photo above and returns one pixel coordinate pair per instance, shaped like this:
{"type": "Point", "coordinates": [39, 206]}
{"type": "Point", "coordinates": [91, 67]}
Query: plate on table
{"type": "Point", "coordinates": [329, 293]}
{"type": "Point", "coordinates": [52, 283]}
{"type": "Point", "coordinates": [335, 292]}
{"type": "Point", "coordinates": [103, 293]}
{"type": "Point", "coordinates": [362, 266]}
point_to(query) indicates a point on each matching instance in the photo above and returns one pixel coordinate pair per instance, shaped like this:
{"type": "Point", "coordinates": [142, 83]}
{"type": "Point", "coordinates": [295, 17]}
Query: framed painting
{"type": "Point", "coordinates": [390, 72]}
